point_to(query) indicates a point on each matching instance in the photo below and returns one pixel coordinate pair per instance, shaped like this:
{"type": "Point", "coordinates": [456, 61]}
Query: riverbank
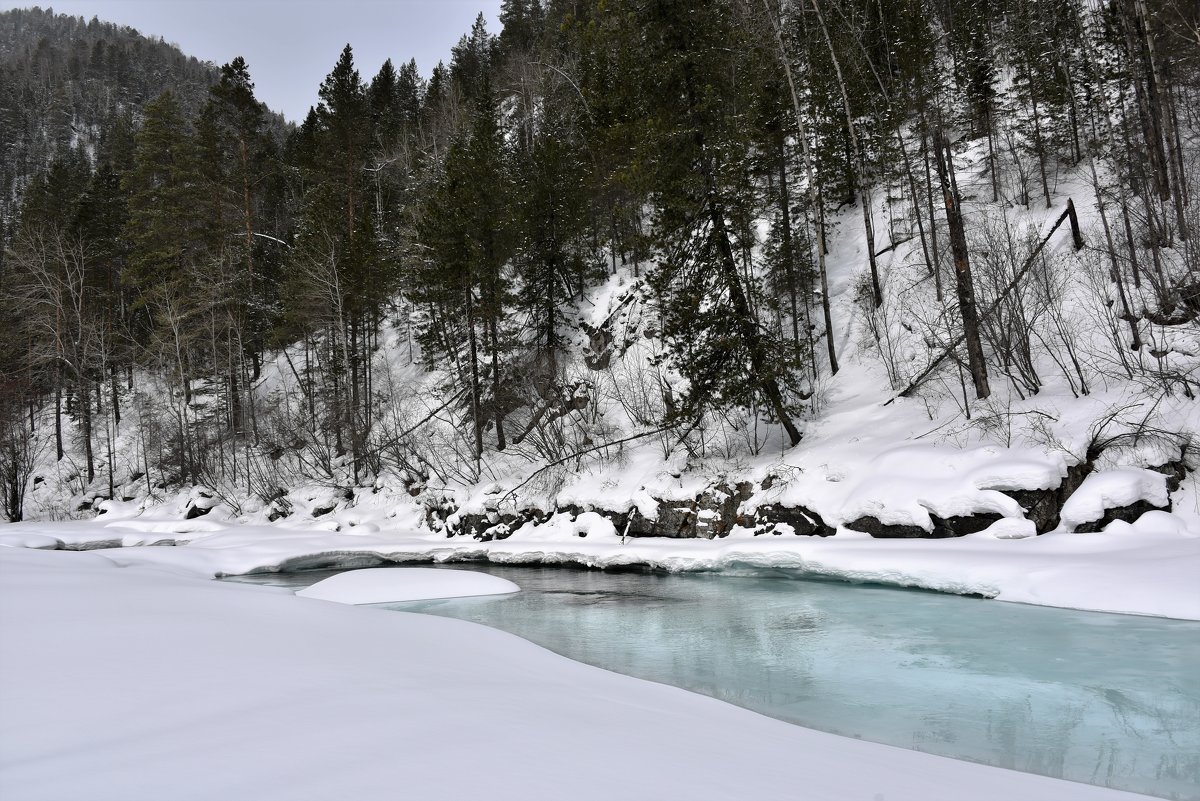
{"type": "Point", "coordinates": [1147, 568]}
{"type": "Point", "coordinates": [143, 683]}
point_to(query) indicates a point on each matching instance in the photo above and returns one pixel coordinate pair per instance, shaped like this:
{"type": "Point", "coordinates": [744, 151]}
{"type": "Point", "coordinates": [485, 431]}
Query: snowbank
{"type": "Point", "coordinates": [136, 683]}
{"type": "Point", "coordinates": [383, 585]}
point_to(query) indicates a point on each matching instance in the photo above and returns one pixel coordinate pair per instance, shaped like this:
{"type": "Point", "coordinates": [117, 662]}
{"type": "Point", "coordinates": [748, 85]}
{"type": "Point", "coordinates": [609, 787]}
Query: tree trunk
{"type": "Point", "coordinates": [476, 413]}
{"type": "Point", "coordinates": [85, 411]}
{"type": "Point", "coordinates": [497, 404]}
{"type": "Point", "coordinates": [962, 265]}
{"type": "Point", "coordinates": [58, 433]}
{"type": "Point", "coordinates": [789, 256]}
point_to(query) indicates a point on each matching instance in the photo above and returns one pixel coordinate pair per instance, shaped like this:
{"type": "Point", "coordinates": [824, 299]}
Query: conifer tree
{"type": "Point", "coordinates": [553, 219]}
{"type": "Point", "coordinates": [164, 232]}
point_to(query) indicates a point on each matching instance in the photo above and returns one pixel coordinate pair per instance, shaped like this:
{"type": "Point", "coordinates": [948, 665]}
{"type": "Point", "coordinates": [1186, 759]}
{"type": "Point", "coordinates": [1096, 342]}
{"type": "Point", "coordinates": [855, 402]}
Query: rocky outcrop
{"type": "Point", "coordinates": [715, 511]}
{"type": "Point", "coordinates": [710, 515]}
{"type": "Point", "coordinates": [486, 526]}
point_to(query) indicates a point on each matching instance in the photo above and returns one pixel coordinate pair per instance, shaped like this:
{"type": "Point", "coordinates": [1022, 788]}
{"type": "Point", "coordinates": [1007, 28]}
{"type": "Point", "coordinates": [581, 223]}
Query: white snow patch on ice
{"type": "Point", "coordinates": [381, 585]}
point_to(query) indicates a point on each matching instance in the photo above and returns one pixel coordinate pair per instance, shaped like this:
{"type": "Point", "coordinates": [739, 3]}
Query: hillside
{"type": "Point", "coordinates": [926, 275]}
{"type": "Point", "coordinates": [71, 84]}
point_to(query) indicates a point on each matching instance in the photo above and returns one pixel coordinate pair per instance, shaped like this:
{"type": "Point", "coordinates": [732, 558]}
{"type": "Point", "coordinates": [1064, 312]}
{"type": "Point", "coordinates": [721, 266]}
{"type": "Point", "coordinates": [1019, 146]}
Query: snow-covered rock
{"type": "Point", "coordinates": [1122, 494]}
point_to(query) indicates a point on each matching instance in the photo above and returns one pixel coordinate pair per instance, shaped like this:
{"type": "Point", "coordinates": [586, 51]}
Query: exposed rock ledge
{"type": "Point", "coordinates": [718, 509]}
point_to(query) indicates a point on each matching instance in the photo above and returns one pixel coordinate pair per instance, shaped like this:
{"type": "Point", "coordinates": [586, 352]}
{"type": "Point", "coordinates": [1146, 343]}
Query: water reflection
{"type": "Point", "coordinates": [1104, 699]}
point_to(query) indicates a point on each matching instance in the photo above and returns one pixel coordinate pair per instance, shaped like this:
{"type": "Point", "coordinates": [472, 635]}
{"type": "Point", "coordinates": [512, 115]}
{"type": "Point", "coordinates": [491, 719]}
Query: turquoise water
{"type": "Point", "coordinates": [1104, 699]}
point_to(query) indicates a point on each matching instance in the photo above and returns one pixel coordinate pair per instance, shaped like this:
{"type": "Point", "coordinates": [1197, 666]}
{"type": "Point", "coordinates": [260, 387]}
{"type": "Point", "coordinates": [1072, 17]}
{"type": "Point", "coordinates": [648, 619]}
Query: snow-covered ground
{"type": "Point", "coordinates": [140, 683]}
{"type": "Point", "coordinates": [1148, 568]}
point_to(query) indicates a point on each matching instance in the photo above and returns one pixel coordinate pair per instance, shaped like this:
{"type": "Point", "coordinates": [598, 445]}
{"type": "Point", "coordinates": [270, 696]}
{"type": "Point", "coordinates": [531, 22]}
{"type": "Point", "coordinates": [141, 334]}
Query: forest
{"type": "Point", "coordinates": [195, 292]}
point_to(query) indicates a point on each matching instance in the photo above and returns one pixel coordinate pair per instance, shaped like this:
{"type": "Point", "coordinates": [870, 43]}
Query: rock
{"type": "Point", "coordinates": [485, 527]}
{"type": "Point", "coordinates": [598, 353]}
{"type": "Point", "coordinates": [943, 527]}
{"type": "Point", "coordinates": [1040, 506]}
{"type": "Point", "coordinates": [1175, 472]}
{"type": "Point", "coordinates": [876, 528]}
{"type": "Point", "coordinates": [1128, 513]}
{"type": "Point", "coordinates": [1076, 474]}
{"type": "Point", "coordinates": [1044, 506]}
{"type": "Point", "coordinates": [195, 511]}
{"type": "Point", "coordinates": [500, 528]}
{"type": "Point", "coordinates": [803, 522]}
{"type": "Point", "coordinates": [960, 525]}
{"type": "Point", "coordinates": [321, 511]}
{"type": "Point", "coordinates": [675, 520]}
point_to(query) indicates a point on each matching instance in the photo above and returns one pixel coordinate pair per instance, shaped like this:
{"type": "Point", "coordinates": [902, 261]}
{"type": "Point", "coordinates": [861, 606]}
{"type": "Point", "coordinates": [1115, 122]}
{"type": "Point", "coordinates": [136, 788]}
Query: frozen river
{"type": "Point", "coordinates": [1104, 699]}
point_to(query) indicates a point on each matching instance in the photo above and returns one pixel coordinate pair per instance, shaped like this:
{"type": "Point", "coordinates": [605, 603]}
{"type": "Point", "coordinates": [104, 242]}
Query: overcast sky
{"type": "Point", "coordinates": [291, 45]}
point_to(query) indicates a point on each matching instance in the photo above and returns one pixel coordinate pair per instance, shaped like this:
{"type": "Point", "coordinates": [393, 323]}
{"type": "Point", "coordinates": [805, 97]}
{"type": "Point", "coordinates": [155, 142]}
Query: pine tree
{"type": "Point", "coordinates": [552, 186]}
{"type": "Point", "coordinates": [164, 233]}
{"type": "Point", "coordinates": [471, 60]}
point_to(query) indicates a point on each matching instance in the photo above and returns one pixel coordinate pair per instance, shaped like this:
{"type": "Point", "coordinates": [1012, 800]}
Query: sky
{"type": "Point", "coordinates": [291, 45]}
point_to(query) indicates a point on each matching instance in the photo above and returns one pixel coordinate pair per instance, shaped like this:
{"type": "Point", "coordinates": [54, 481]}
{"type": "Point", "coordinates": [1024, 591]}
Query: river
{"type": "Point", "coordinates": [1105, 699]}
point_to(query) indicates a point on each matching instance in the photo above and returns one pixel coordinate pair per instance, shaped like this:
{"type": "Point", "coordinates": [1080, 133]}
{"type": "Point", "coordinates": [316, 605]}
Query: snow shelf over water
{"type": "Point", "coordinates": [383, 585]}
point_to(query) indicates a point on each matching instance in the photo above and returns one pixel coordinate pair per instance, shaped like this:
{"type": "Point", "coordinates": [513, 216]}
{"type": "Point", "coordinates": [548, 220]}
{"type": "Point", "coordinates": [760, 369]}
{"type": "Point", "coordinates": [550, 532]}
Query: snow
{"type": "Point", "coordinates": [137, 683]}
{"type": "Point", "coordinates": [383, 585]}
